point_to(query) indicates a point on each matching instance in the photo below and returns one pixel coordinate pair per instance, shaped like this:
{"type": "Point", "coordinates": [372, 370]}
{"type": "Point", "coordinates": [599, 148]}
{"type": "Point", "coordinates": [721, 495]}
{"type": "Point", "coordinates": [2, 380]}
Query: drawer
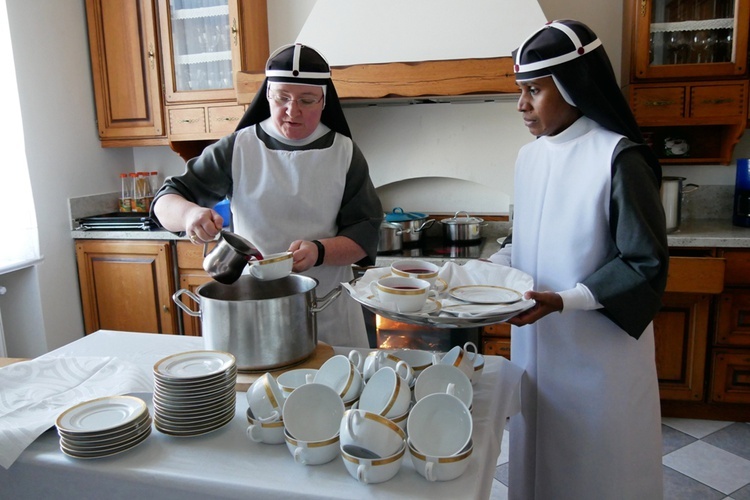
{"type": "Point", "coordinates": [496, 347]}
{"type": "Point", "coordinates": [695, 275]}
{"type": "Point", "coordinates": [190, 256]}
{"type": "Point", "coordinates": [501, 330]}
{"type": "Point", "coordinates": [717, 101]}
{"type": "Point", "coordinates": [658, 102]}
{"type": "Point", "coordinates": [737, 267]}
{"type": "Point", "coordinates": [730, 381]}
{"type": "Point", "coordinates": [186, 121]}
{"type": "Point", "coordinates": [222, 120]}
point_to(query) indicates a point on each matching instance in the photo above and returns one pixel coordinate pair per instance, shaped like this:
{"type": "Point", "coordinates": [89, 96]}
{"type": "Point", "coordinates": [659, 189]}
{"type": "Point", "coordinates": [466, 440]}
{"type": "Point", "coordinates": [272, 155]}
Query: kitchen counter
{"type": "Point", "coordinates": [697, 233]}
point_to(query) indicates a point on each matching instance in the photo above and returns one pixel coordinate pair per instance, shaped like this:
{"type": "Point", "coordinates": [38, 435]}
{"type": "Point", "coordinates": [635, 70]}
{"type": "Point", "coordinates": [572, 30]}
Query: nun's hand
{"type": "Point", "coordinates": [546, 303]}
{"type": "Point", "coordinates": [304, 255]}
{"type": "Point", "coordinates": [202, 224]}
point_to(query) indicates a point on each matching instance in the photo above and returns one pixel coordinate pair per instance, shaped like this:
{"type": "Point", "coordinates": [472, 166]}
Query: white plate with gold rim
{"type": "Point", "coordinates": [101, 414]}
{"type": "Point", "coordinates": [431, 306]}
{"type": "Point", "coordinates": [194, 364]}
{"type": "Point", "coordinates": [485, 294]}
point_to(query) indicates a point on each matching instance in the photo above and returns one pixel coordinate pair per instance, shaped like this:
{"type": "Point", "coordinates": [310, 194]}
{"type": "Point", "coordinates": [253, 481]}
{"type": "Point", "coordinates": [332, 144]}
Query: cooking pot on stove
{"type": "Point", "coordinates": [462, 229]}
{"type": "Point", "coordinates": [415, 222]}
{"type": "Point", "coordinates": [391, 237]}
{"type": "Point", "coordinates": [264, 324]}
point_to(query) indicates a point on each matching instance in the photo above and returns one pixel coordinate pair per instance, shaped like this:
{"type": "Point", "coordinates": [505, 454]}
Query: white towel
{"type": "Point", "coordinates": [34, 393]}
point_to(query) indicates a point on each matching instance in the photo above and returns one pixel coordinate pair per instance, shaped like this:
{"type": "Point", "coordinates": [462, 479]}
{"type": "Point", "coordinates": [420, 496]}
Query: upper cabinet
{"type": "Point", "coordinates": [126, 72]}
{"type": "Point", "coordinates": [173, 62]}
{"type": "Point", "coordinates": [689, 39]}
{"type": "Point", "coordinates": [205, 42]}
{"type": "Point", "coordinates": [685, 75]}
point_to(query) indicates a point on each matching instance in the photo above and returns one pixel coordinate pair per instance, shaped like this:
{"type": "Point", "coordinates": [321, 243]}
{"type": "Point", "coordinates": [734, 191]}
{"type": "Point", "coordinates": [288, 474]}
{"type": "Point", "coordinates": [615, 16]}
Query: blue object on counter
{"type": "Point", "coordinates": [223, 209]}
{"type": "Point", "coordinates": [741, 212]}
{"type": "Point", "coordinates": [398, 215]}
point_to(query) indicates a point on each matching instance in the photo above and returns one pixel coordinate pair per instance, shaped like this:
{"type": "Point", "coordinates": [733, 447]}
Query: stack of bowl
{"type": "Point", "coordinates": [194, 392]}
{"type": "Point", "coordinates": [103, 426]}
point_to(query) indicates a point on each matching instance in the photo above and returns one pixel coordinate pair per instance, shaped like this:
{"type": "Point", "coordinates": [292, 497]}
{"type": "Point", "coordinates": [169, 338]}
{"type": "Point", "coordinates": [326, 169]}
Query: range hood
{"type": "Point", "coordinates": [416, 51]}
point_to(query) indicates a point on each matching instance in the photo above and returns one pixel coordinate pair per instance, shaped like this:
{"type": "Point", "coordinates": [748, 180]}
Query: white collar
{"type": "Point", "coordinates": [578, 128]}
{"type": "Point", "coordinates": [270, 128]}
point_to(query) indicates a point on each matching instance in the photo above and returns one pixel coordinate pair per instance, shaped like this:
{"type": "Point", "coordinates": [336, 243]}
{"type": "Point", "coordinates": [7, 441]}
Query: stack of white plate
{"type": "Point", "coordinates": [103, 426]}
{"type": "Point", "coordinates": [194, 392]}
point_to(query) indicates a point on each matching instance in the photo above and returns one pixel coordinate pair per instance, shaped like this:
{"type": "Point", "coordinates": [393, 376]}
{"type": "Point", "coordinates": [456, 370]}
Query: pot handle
{"type": "Point", "coordinates": [426, 225]}
{"type": "Point", "coordinates": [323, 302]}
{"type": "Point", "coordinates": [181, 305]}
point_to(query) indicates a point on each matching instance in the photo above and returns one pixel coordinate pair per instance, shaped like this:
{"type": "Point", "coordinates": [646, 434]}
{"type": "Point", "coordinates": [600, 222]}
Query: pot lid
{"type": "Point", "coordinates": [464, 219]}
{"type": "Point", "coordinates": [398, 215]}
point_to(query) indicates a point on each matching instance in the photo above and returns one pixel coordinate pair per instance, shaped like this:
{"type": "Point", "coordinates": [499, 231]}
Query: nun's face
{"type": "Point", "coordinates": [545, 112]}
{"type": "Point", "coordinates": [295, 109]}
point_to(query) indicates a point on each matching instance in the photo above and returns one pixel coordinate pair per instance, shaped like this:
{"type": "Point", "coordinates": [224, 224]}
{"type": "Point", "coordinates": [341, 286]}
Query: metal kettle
{"type": "Point", "coordinates": [671, 192]}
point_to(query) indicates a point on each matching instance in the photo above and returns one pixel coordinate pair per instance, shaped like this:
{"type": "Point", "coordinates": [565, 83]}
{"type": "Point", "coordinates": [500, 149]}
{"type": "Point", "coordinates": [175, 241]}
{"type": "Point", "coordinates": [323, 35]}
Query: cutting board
{"type": "Point", "coordinates": [323, 352]}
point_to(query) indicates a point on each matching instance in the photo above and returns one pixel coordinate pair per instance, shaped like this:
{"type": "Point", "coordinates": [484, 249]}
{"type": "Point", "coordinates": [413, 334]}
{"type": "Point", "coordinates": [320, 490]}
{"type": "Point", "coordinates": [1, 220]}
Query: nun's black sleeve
{"type": "Point", "coordinates": [630, 286]}
{"type": "Point", "coordinates": [361, 211]}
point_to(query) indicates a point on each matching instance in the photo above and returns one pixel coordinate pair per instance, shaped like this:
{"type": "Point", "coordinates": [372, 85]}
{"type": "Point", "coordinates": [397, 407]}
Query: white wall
{"type": "Point", "coordinates": [50, 48]}
{"type": "Point", "coordinates": [50, 45]}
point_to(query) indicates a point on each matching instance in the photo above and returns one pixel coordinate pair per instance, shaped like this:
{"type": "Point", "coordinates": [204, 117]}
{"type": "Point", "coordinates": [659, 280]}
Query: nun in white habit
{"type": "Point", "coordinates": [589, 227]}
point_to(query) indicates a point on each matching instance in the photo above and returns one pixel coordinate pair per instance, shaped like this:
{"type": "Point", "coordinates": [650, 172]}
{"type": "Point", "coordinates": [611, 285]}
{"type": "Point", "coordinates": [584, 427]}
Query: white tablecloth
{"type": "Point", "coordinates": [225, 464]}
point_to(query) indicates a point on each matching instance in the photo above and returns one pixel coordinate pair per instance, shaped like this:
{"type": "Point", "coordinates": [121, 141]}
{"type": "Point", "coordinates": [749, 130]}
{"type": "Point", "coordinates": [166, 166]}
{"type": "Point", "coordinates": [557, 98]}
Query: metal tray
{"type": "Point", "coordinates": [441, 319]}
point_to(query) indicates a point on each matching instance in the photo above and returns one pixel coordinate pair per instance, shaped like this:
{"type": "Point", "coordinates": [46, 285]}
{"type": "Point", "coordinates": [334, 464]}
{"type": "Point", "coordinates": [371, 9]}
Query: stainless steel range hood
{"type": "Point", "coordinates": [416, 51]}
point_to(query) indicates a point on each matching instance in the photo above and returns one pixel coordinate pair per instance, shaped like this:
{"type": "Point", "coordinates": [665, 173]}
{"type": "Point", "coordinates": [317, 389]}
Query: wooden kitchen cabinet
{"type": "Point", "coordinates": [126, 285]}
{"type": "Point", "coordinates": [164, 70]}
{"type": "Point", "coordinates": [685, 74]}
{"type": "Point", "coordinates": [203, 47]}
{"type": "Point", "coordinates": [496, 340]}
{"type": "Point", "coordinates": [730, 377]}
{"type": "Point", "coordinates": [126, 74]}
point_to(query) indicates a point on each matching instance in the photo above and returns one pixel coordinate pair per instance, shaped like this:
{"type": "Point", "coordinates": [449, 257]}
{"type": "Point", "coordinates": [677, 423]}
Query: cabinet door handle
{"type": "Point", "coordinates": [643, 8]}
{"type": "Point", "coordinates": [229, 119]}
{"type": "Point", "coordinates": [151, 55]}
{"type": "Point", "coordinates": [235, 31]}
{"type": "Point", "coordinates": [165, 308]}
{"type": "Point", "coordinates": [659, 103]}
{"type": "Point", "coordinates": [188, 120]}
{"type": "Point", "coordinates": [720, 100]}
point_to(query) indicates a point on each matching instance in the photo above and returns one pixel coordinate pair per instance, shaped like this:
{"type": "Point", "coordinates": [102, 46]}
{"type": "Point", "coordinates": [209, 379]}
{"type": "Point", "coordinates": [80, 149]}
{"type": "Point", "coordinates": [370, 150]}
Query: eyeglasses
{"type": "Point", "coordinates": [303, 102]}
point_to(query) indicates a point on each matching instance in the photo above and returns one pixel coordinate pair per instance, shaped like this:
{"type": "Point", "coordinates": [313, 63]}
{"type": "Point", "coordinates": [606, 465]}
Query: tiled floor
{"type": "Point", "coordinates": [703, 460]}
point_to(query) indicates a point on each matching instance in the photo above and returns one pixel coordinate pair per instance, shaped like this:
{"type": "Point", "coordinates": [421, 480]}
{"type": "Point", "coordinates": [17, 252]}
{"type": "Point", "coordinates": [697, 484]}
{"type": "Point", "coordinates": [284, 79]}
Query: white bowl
{"type": "Point", "coordinates": [312, 452]}
{"type": "Point", "coordinates": [264, 432]}
{"type": "Point", "coordinates": [313, 412]}
{"type": "Point", "coordinates": [266, 399]}
{"type": "Point", "coordinates": [372, 432]}
{"type": "Point", "coordinates": [439, 425]}
{"type": "Point", "coordinates": [372, 471]}
{"type": "Point", "coordinates": [444, 379]}
{"type": "Point", "coordinates": [290, 380]}
{"type": "Point", "coordinates": [341, 375]}
{"type": "Point", "coordinates": [386, 394]}
{"type": "Point", "coordinates": [441, 468]}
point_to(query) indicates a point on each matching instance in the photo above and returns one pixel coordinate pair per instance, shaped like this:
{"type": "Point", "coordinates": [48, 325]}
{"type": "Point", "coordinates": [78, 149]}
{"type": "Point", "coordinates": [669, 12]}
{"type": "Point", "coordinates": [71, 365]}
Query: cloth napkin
{"type": "Point", "coordinates": [34, 393]}
{"type": "Point", "coordinates": [474, 272]}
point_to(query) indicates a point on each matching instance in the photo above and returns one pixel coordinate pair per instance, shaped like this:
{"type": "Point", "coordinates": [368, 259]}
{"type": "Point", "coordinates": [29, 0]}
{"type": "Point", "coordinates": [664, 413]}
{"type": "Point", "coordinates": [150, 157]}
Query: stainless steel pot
{"type": "Point", "coordinates": [391, 239]}
{"type": "Point", "coordinates": [415, 222]}
{"type": "Point", "coordinates": [264, 324]}
{"type": "Point", "coordinates": [671, 198]}
{"type": "Point", "coordinates": [463, 229]}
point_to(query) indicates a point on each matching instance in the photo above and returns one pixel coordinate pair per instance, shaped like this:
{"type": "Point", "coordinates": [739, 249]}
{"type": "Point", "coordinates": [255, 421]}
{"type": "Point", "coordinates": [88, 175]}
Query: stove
{"type": "Point", "coordinates": [438, 247]}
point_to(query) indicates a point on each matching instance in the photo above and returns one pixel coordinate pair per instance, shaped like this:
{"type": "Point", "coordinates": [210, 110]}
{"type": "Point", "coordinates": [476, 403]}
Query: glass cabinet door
{"type": "Point", "coordinates": [200, 49]}
{"type": "Point", "coordinates": [692, 38]}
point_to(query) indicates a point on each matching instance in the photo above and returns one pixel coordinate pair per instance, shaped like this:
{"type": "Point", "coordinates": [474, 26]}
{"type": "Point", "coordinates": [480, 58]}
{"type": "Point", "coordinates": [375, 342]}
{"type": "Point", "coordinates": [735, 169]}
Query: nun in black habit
{"type": "Point", "coordinates": [590, 229]}
{"type": "Point", "coordinates": [296, 182]}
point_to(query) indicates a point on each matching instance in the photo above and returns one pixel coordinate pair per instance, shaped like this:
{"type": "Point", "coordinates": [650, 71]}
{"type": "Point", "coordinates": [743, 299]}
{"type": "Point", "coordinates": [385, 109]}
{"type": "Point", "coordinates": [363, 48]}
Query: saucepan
{"type": "Point", "coordinates": [229, 257]}
{"type": "Point", "coordinates": [391, 237]}
{"type": "Point", "coordinates": [462, 229]}
{"type": "Point", "coordinates": [414, 222]}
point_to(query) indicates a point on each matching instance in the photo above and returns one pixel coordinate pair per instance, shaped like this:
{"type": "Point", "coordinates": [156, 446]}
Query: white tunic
{"type": "Point", "coordinates": [280, 196]}
{"type": "Point", "coordinates": [590, 422]}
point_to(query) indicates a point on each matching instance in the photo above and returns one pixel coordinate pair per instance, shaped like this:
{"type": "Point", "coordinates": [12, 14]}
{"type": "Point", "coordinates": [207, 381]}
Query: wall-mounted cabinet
{"type": "Point", "coordinates": [685, 74]}
{"type": "Point", "coordinates": [173, 63]}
